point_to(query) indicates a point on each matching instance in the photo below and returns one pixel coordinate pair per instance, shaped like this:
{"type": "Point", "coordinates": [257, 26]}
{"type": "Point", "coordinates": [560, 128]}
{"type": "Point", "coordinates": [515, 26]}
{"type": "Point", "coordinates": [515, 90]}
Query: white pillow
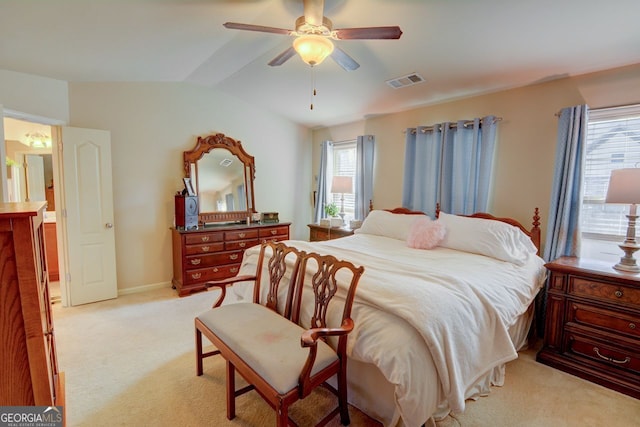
{"type": "Point", "coordinates": [487, 237]}
{"type": "Point", "coordinates": [387, 224]}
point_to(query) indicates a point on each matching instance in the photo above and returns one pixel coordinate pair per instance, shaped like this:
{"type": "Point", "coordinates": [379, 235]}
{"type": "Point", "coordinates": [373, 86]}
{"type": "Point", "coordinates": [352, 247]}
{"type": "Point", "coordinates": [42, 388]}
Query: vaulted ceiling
{"type": "Point", "coordinates": [460, 47]}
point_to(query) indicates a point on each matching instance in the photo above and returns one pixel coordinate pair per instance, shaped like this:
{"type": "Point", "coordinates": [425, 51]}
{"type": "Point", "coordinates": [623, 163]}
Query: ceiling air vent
{"type": "Point", "coordinates": [408, 80]}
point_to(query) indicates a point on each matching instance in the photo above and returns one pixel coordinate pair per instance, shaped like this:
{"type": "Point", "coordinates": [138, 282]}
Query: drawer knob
{"type": "Point", "coordinates": [215, 269]}
{"type": "Point", "coordinates": [196, 275]}
{"type": "Point", "coordinates": [195, 261]}
{"type": "Point", "coordinates": [233, 256]}
{"type": "Point", "coordinates": [205, 249]}
{"type": "Point", "coordinates": [242, 244]}
{"type": "Point", "coordinates": [632, 325]}
{"type": "Point", "coordinates": [611, 359]}
{"type": "Point", "coordinates": [205, 238]}
{"type": "Point", "coordinates": [618, 293]}
{"type": "Point", "coordinates": [234, 270]}
{"type": "Point", "coordinates": [274, 232]}
{"type": "Point", "coordinates": [242, 235]}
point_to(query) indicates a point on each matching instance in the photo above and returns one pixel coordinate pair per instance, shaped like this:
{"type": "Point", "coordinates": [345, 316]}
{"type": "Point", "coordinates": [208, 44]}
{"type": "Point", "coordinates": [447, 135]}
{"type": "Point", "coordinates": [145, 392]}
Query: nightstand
{"type": "Point", "coordinates": [318, 232]}
{"type": "Point", "coordinates": [592, 326]}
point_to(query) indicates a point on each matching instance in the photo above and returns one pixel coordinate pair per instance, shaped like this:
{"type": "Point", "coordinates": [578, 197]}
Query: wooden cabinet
{"type": "Point", "coordinates": [28, 367]}
{"type": "Point", "coordinates": [592, 326]}
{"type": "Point", "coordinates": [318, 232]}
{"type": "Point", "coordinates": [50, 235]}
{"type": "Point", "coordinates": [215, 252]}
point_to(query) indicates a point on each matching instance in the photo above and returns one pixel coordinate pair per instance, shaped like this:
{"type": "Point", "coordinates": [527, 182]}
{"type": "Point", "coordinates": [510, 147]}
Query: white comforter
{"type": "Point", "coordinates": [459, 306]}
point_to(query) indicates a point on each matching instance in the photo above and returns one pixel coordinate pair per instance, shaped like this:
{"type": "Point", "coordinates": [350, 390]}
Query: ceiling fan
{"type": "Point", "coordinates": [313, 32]}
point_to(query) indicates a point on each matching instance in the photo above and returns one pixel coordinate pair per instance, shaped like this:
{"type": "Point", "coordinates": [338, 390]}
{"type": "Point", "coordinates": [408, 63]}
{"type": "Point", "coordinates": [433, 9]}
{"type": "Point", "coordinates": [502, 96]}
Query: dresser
{"type": "Point", "coordinates": [318, 232]}
{"type": "Point", "coordinates": [28, 367]}
{"type": "Point", "coordinates": [592, 326]}
{"type": "Point", "coordinates": [215, 252]}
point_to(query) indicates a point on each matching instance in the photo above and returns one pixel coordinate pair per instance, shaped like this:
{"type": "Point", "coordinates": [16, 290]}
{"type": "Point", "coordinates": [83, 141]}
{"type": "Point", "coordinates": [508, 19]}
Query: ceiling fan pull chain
{"type": "Point", "coordinates": [313, 85]}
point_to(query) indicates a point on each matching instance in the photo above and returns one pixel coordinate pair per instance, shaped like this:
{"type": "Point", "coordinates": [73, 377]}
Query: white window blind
{"type": "Point", "coordinates": [613, 142]}
{"type": "Point", "coordinates": [344, 164]}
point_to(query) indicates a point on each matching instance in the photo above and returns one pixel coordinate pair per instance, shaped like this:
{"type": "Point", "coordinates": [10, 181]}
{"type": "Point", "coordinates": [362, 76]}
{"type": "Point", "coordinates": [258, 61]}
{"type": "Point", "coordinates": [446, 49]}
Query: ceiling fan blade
{"type": "Point", "coordinates": [260, 28]}
{"type": "Point", "coordinates": [283, 57]}
{"type": "Point", "coordinates": [344, 60]}
{"type": "Point", "coordinates": [368, 33]}
{"type": "Point", "coordinates": [313, 12]}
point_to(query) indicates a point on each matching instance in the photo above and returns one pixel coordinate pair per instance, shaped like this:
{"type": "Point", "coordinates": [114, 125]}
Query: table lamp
{"type": "Point", "coordinates": [624, 187]}
{"type": "Point", "coordinates": [342, 185]}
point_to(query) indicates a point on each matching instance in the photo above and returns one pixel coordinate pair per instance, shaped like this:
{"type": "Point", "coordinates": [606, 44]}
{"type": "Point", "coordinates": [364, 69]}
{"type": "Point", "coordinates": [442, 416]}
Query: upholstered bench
{"type": "Point", "coordinates": [274, 352]}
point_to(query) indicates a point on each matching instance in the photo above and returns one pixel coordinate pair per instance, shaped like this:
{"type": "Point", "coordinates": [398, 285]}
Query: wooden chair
{"type": "Point", "coordinates": [285, 359]}
{"type": "Point", "coordinates": [277, 269]}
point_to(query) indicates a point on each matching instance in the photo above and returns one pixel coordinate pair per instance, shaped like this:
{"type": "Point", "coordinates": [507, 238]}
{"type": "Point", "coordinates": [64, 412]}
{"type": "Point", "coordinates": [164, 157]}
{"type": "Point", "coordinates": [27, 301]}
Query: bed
{"type": "Point", "coordinates": [434, 325]}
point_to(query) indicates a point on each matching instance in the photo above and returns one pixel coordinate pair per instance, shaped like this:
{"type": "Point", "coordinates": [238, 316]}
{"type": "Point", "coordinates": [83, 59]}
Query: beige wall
{"type": "Point", "coordinates": [526, 136]}
{"type": "Point", "coordinates": [151, 124]}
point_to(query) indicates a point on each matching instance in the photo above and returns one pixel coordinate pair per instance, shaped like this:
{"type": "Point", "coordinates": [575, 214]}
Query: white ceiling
{"type": "Point", "coordinates": [461, 48]}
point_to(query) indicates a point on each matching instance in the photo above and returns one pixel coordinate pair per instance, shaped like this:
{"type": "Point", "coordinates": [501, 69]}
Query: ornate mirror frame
{"type": "Point", "coordinates": [203, 146]}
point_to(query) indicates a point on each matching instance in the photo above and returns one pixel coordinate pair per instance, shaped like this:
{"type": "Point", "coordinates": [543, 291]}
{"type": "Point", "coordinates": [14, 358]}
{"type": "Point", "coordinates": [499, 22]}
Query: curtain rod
{"type": "Point", "coordinates": [451, 125]}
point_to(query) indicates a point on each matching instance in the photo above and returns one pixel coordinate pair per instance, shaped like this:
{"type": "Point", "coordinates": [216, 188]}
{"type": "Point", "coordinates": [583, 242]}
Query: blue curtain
{"type": "Point", "coordinates": [563, 236]}
{"type": "Point", "coordinates": [450, 165]}
{"type": "Point", "coordinates": [365, 147]}
{"type": "Point", "coordinates": [324, 171]}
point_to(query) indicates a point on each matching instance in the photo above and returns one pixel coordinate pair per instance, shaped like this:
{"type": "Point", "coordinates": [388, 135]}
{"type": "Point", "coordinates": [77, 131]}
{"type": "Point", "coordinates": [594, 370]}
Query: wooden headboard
{"type": "Point", "coordinates": [533, 233]}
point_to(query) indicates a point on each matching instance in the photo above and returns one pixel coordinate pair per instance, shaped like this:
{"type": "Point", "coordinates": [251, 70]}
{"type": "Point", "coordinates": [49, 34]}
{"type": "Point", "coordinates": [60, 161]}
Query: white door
{"type": "Point", "coordinates": [35, 178]}
{"type": "Point", "coordinates": [88, 200]}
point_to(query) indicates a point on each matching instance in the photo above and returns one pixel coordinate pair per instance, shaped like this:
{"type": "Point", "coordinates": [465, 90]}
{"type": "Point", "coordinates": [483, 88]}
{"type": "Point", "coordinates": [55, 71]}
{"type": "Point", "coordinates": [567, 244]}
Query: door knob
{"type": "Point", "coordinates": [108, 225]}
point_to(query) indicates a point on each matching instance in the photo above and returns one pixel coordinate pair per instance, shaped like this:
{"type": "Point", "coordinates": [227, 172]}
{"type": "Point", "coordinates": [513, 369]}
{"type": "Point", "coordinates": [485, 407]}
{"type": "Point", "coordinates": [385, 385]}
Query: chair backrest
{"type": "Point", "coordinates": [321, 279]}
{"type": "Point", "coordinates": [283, 263]}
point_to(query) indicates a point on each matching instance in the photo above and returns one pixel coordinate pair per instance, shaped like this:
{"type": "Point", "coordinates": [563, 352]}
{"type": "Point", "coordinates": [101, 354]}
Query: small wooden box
{"type": "Point", "coordinates": [270, 217]}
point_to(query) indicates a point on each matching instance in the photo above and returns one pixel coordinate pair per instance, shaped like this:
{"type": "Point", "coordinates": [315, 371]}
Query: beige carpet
{"type": "Point", "coordinates": [130, 362]}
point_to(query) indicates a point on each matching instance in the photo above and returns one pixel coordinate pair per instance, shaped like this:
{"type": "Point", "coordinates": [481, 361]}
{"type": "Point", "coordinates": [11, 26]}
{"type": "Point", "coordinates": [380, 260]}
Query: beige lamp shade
{"type": "Point", "coordinates": [624, 186]}
{"type": "Point", "coordinates": [342, 184]}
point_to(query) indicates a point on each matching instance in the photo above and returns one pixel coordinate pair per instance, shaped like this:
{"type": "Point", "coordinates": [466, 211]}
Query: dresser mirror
{"type": "Point", "coordinates": [222, 175]}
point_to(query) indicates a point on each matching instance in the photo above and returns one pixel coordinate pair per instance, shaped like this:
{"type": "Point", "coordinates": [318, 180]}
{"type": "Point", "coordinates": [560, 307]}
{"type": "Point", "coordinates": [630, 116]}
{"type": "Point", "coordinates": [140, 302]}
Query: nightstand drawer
{"type": "Point", "coordinates": [603, 353]}
{"type": "Point", "coordinates": [604, 291]}
{"type": "Point", "coordinates": [584, 314]}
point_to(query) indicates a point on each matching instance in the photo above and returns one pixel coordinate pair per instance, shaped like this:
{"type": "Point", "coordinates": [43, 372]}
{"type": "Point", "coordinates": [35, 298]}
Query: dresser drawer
{"type": "Point", "coordinates": [605, 291]}
{"type": "Point", "coordinates": [585, 314]}
{"type": "Point", "coordinates": [274, 231]}
{"type": "Point", "coordinates": [240, 244]}
{"type": "Point", "coordinates": [196, 238]}
{"type": "Point", "coordinates": [221, 258]}
{"type": "Point", "coordinates": [213, 273]}
{"type": "Point", "coordinates": [603, 353]}
{"type": "Point", "coordinates": [204, 248]}
{"type": "Point", "coordinates": [241, 235]}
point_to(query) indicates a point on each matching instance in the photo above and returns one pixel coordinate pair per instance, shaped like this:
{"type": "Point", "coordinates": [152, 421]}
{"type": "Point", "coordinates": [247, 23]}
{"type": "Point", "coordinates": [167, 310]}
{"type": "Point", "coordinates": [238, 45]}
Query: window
{"type": "Point", "coordinates": [344, 164]}
{"type": "Point", "coordinates": [613, 142]}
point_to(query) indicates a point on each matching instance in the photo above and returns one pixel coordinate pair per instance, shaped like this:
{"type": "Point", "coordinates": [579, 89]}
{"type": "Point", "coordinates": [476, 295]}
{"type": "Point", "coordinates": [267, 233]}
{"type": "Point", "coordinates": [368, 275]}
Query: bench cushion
{"type": "Point", "coordinates": [266, 341]}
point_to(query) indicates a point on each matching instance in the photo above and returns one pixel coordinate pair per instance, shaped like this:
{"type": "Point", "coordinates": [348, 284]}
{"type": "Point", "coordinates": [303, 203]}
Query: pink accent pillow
{"type": "Point", "coordinates": [425, 233]}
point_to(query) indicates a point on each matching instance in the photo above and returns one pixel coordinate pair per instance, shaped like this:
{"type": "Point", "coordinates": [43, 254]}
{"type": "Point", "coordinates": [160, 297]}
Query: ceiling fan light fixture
{"type": "Point", "coordinates": [313, 49]}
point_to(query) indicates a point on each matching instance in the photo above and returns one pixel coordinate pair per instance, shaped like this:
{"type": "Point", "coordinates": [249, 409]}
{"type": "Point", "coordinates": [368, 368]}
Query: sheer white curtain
{"type": "Point", "coordinates": [450, 164]}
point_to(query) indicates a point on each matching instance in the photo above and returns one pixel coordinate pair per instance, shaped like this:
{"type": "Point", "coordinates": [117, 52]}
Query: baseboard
{"type": "Point", "coordinates": [143, 288]}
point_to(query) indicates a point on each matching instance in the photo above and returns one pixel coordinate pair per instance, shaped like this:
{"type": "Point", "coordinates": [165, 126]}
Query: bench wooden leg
{"type": "Point", "coordinates": [282, 414]}
{"type": "Point", "coordinates": [231, 391]}
{"type": "Point", "coordinates": [198, 352]}
{"type": "Point", "coordinates": [342, 396]}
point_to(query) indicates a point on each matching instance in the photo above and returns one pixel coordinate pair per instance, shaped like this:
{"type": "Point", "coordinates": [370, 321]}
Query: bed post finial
{"type": "Point", "coordinates": [370, 205]}
{"type": "Point", "coordinates": [535, 231]}
{"type": "Point", "coordinates": [437, 210]}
